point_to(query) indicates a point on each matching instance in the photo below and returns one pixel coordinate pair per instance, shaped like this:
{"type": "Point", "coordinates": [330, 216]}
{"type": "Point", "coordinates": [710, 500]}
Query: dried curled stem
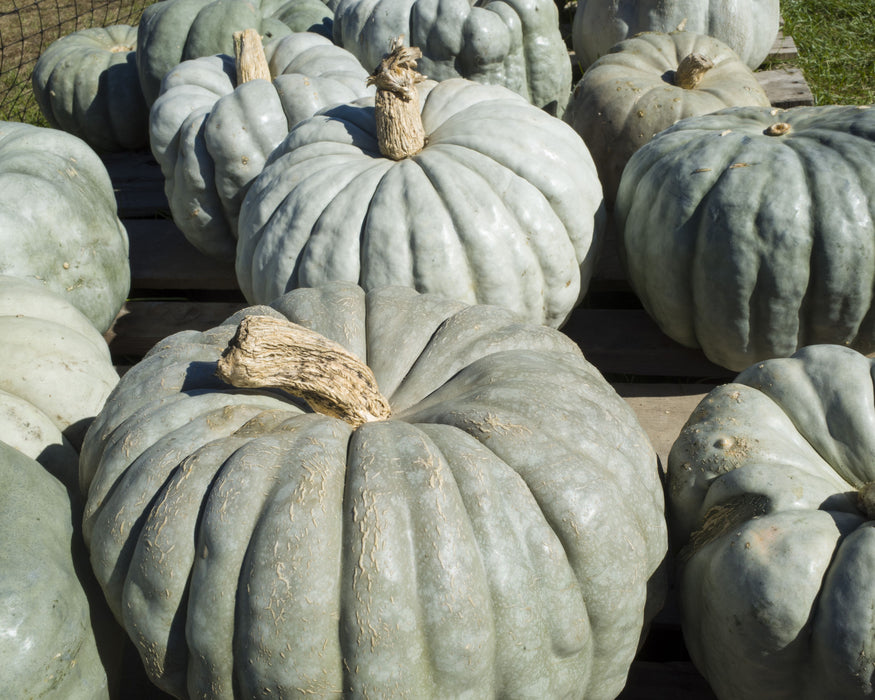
{"type": "Point", "coordinates": [268, 352]}
{"type": "Point", "coordinates": [399, 125]}
{"type": "Point", "coordinates": [691, 70]}
{"type": "Point", "coordinates": [249, 56]}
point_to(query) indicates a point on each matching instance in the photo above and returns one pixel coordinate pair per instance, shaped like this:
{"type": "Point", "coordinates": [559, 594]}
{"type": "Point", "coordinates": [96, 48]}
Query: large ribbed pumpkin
{"type": "Point", "coordinates": [750, 232]}
{"type": "Point", "coordinates": [173, 31]}
{"type": "Point", "coordinates": [217, 119]}
{"type": "Point", "coordinates": [648, 82]}
{"type": "Point", "coordinates": [495, 201]}
{"type": "Point", "coordinates": [59, 220]}
{"type": "Point", "coordinates": [485, 519]}
{"type": "Point", "coordinates": [48, 645]}
{"type": "Point", "coordinates": [748, 27]}
{"type": "Point", "coordinates": [771, 489]}
{"type": "Point", "coordinates": [514, 43]}
{"type": "Point", "coordinates": [86, 83]}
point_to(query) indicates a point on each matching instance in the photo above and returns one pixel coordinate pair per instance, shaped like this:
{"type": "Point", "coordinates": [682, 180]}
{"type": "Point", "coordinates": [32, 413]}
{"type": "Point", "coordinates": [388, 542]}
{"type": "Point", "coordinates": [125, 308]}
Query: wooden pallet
{"type": "Point", "coordinates": [177, 288]}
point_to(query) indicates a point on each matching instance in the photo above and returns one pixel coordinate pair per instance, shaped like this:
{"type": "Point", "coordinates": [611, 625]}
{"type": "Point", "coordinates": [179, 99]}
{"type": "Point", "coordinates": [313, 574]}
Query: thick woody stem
{"type": "Point", "coordinates": [691, 70]}
{"type": "Point", "coordinates": [399, 125]}
{"type": "Point", "coordinates": [249, 56]}
{"type": "Point", "coordinates": [268, 352]}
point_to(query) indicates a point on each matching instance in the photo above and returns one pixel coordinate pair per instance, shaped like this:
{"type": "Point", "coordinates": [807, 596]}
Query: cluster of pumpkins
{"type": "Point", "coordinates": [415, 200]}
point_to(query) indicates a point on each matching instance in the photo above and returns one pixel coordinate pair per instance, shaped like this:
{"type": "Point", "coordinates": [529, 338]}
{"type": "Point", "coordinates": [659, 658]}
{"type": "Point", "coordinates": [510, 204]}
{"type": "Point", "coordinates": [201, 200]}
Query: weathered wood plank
{"type": "Point", "coordinates": [162, 258]}
{"type": "Point", "coordinates": [786, 87]}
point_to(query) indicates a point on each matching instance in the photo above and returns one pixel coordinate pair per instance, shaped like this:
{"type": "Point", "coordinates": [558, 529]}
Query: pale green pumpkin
{"type": "Point", "coordinates": [86, 83]}
{"type": "Point", "coordinates": [173, 31]}
{"type": "Point", "coordinates": [59, 220]}
{"type": "Point", "coordinates": [48, 647]}
{"type": "Point", "coordinates": [750, 232]}
{"type": "Point", "coordinates": [514, 43]}
{"type": "Point", "coordinates": [648, 82]}
{"type": "Point", "coordinates": [496, 530]}
{"type": "Point", "coordinates": [501, 204]}
{"type": "Point", "coordinates": [770, 490]}
{"type": "Point", "coordinates": [212, 131]}
{"type": "Point", "coordinates": [748, 27]}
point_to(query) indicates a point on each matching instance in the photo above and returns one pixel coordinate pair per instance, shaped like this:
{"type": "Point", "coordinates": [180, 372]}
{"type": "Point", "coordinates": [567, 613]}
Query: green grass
{"type": "Point", "coordinates": [836, 44]}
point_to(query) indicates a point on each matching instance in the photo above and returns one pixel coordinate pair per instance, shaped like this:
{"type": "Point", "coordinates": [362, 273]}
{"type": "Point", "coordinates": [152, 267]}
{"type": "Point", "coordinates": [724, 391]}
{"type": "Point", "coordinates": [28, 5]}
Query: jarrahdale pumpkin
{"type": "Point", "coordinates": [58, 638]}
{"type": "Point", "coordinates": [49, 647]}
{"type": "Point", "coordinates": [748, 27]}
{"type": "Point", "coordinates": [173, 31]}
{"type": "Point", "coordinates": [456, 188]}
{"type": "Point", "coordinates": [749, 232]}
{"type": "Point", "coordinates": [217, 118]}
{"type": "Point", "coordinates": [514, 43]}
{"type": "Point", "coordinates": [59, 220]}
{"type": "Point", "coordinates": [648, 82]}
{"type": "Point", "coordinates": [86, 83]}
{"type": "Point", "coordinates": [770, 498]}
{"type": "Point", "coordinates": [381, 494]}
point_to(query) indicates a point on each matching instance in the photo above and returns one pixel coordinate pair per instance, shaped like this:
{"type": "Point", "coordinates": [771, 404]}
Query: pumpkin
{"type": "Point", "coordinates": [474, 512]}
{"type": "Point", "coordinates": [647, 83]}
{"type": "Point", "coordinates": [749, 232]}
{"type": "Point", "coordinates": [464, 190]}
{"type": "Point", "coordinates": [748, 27]}
{"type": "Point", "coordinates": [57, 374]}
{"type": "Point", "coordinates": [48, 646]}
{"type": "Point", "coordinates": [173, 31]}
{"type": "Point", "coordinates": [59, 220]}
{"type": "Point", "coordinates": [219, 117]}
{"type": "Point", "coordinates": [770, 491]}
{"type": "Point", "coordinates": [514, 43]}
{"type": "Point", "coordinates": [86, 83]}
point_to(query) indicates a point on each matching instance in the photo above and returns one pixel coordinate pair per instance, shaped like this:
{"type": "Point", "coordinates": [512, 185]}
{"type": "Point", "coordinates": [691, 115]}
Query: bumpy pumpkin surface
{"type": "Point", "coordinates": [749, 232]}
{"type": "Point", "coordinates": [173, 31]}
{"type": "Point", "coordinates": [647, 83]}
{"type": "Point", "coordinates": [770, 489]}
{"type": "Point", "coordinates": [494, 536]}
{"type": "Point", "coordinates": [86, 83]}
{"type": "Point", "coordinates": [59, 220]}
{"type": "Point", "coordinates": [514, 43]}
{"type": "Point", "coordinates": [56, 374]}
{"type": "Point", "coordinates": [748, 27]}
{"type": "Point", "coordinates": [502, 206]}
{"type": "Point", "coordinates": [48, 647]}
{"type": "Point", "coordinates": [211, 133]}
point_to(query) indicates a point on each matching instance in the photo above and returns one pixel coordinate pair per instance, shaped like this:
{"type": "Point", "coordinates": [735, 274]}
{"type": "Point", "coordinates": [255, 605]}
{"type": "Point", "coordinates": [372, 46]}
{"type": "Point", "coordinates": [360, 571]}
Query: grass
{"type": "Point", "coordinates": [836, 44]}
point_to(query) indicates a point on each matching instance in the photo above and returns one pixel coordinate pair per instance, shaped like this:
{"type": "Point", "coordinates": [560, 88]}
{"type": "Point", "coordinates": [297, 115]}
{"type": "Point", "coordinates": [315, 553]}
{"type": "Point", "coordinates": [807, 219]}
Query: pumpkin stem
{"type": "Point", "coordinates": [778, 129]}
{"type": "Point", "coordinates": [249, 56]}
{"type": "Point", "coordinates": [268, 352]}
{"type": "Point", "coordinates": [866, 500]}
{"type": "Point", "coordinates": [399, 124]}
{"type": "Point", "coordinates": [691, 70]}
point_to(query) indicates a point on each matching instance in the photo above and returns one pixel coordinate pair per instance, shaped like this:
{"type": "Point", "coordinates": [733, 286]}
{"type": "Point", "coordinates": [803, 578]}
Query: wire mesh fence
{"type": "Point", "coordinates": [27, 27]}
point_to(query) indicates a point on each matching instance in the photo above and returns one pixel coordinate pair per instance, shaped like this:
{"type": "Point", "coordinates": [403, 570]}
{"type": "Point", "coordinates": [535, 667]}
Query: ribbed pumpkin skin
{"type": "Point", "coordinates": [47, 644]}
{"type": "Point", "coordinates": [749, 245]}
{"type": "Point", "coordinates": [628, 95]}
{"type": "Point", "coordinates": [502, 206]}
{"type": "Point", "coordinates": [775, 584]}
{"type": "Point", "coordinates": [493, 538]}
{"type": "Point", "coordinates": [748, 27]}
{"type": "Point", "coordinates": [59, 220]}
{"type": "Point", "coordinates": [86, 83]}
{"type": "Point", "coordinates": [57, 373]}
{"type": "Point", "coordinates": [514, 43]}
{"type": "Point", "coordinates": [173, 31]}
{"type": "Point", "coordinates": [211, 136]}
